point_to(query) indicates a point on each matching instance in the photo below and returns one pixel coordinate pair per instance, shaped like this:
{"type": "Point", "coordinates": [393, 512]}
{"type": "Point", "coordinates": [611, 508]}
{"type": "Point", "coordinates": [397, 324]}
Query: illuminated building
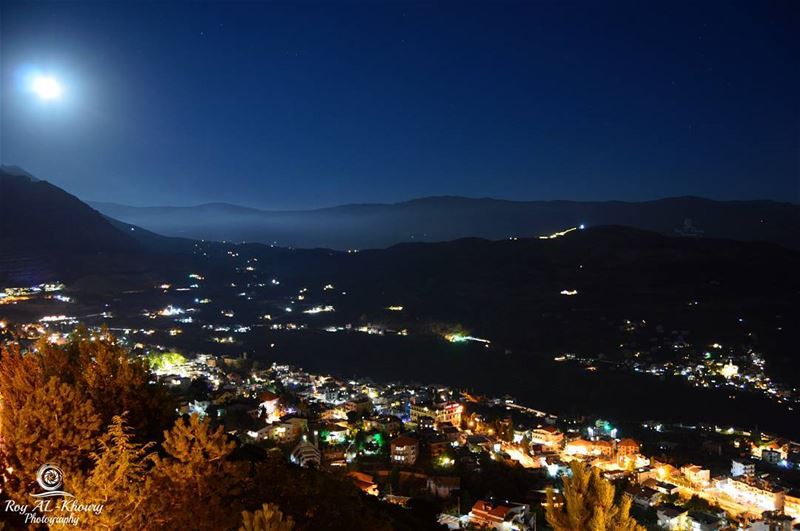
{"type": "Point", "coordinates": [581, 447]}
{"type": "Point", "coordinates": [742, 468]}
{"type": "Point", "coordinates": [484, 514]}
{"type": "Point", "coordinates": [759, 494]}
{"type": "Point", "coordinates": [404, 450]}
{"type": "Point", "coordinates": [627, 447]}
{"type": "Point", "coordinates": [696, 475]}
{"type": "Point", "coordinates": [269, 406]}
{"type": "Point", "coordinates": [673, 518]}
{"type": "Point", "coordinates": [772, 521]}
{"type": "Point", "coordinates": [360, 404]}
{"type": "Point", "coordinates": [306, 454]}
{"type": "Point", "coordinates": [385, 423]}
{"type": "Point", "coordinates": [365, 482]}
{"type": "Point", "coordinates": [578, 447]}
{"type": "Point", "coordinates": [779, 446]}
{"type": "Point", "coordinates": [444, 413]}
{"type": "Point", "coordinates": [791, 504]}
{"type": "Point", "coordinates": [548, 436]}
{"type": "Point", "coordinates": [500, 517]}
{"type": "Point", "coordinates": [333, 433]}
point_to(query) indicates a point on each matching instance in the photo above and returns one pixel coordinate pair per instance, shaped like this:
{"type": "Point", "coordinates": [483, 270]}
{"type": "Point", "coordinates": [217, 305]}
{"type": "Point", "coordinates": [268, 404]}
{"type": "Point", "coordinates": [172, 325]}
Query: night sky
{"type": "Point", "coordinates": [300, 105]}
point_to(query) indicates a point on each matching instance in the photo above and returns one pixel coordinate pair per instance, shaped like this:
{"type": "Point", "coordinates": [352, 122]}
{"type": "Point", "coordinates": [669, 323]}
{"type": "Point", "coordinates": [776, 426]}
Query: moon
{"type": "Point", "coordinates": [47, 88]}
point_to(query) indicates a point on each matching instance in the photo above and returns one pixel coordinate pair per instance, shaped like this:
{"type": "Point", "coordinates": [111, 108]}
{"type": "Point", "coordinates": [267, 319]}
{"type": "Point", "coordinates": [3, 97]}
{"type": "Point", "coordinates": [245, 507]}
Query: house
{"type": "Point", "coordinates": [582, 447]}
{"type": "Point", "coordinates": [627, 447]}
{"type": "Point", "coordinates": [672, 517]}
{"type": "Point", "coordinates": [640, 475]}
{"type": "Point", "coordinates": [483, 514]}
{"type": "Point", "coordinates": [696, 475]}
{"type": "Point", "coordinates": [500, 517]}
{"type": "Point", "coordinates": [644, 497]}
{"type": "Point", "coordinates": [660, 486]}
{"type": "Point", "coordinates": [306, 454]}
{"type": "Point", "coordinates": [268, 405]}
{"type": "Point", "coordinates": [332, 433]}
{"type": "Point", "coordinates": [452, 434]}
{"type": "Point", "coordinates": [772, 521]}
{"type": "Point", "coordinates": [438, 445]}
{"type": "Point", "coordinates": [441, 413]}
{"type": "Point", "coordinates": [742, 468]}
{"type": "Point", "coordinates": [385, 423]}
{"type": "Point", "coordinates": [603, 447]}
{"type": "Point", "coordinates": [444, 486]}
{"type": "Point", "coordinates": [478, 443]}
{"type": "Point", "coordinates": [701, 521]}
{"type": "Point", "coordinates": [791, 504]}
{"type": "Point", "coordinates": [404, 450]}
{"type": "Point", "coordinates": [289, 430]}
{"type": "Point", "coordinates": [361, 405]}
{"type": "Point", "coordinates": [365, 482]}
{"type": "Point", "coordinates": [548, 436]}
{"type": "Point", "coordinates": [578, 447]}
{"type": "Point", "coordinates": [771, 456]}
{"type": "Point", "coordinates": [754, 492]}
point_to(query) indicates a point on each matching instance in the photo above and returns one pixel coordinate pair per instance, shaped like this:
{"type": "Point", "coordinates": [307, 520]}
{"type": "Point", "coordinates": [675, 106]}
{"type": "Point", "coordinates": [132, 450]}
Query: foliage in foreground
{"type": "Point", "coordinates": [91, 409]}
{"type": "Point", "coordinates": [589, 504]}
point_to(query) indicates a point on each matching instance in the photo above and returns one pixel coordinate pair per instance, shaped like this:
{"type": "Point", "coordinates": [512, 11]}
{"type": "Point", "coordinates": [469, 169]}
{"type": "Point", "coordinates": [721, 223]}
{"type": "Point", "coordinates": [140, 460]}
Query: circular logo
{"type": "Point", "coordinates": [49, 477]}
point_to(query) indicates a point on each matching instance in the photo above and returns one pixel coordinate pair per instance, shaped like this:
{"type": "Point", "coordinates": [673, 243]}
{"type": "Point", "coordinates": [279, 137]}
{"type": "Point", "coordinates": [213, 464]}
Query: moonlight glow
{"type": "Point", "coordinates": [47, 88]}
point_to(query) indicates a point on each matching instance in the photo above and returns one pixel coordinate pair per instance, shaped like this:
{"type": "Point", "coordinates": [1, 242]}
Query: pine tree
{"type": "Point", "coordinates": [111, 378]}
{"type": "Point", "coordinates": [200, 485]}
{"type": "Point", "coordinates": [55, 424]}
{"type": "Point", "coordinates": [119, 481]}
{"type": "Point", "coordinates": [268, 518]}
{"type": "Point", "coordinates": [54, 400]}
{"type": "Point", "coordinates": [589, 504]}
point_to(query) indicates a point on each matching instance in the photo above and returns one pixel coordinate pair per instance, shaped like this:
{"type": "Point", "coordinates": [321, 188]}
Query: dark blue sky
{"type": "Point", "coordinates": [293, 105]}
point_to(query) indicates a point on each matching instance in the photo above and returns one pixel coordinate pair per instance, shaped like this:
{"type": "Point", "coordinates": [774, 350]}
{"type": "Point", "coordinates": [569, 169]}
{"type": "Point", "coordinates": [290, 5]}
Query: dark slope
{"type": "Point", "coordinates": [448, 218]}
{"type": "Point", "coordinates": [49, 234]}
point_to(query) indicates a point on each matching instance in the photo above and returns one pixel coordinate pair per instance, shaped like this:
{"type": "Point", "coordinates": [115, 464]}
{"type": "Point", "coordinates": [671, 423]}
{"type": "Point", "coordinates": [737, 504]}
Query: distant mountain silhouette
{"type": "Point", "coordinates": [509, 291]}
{"type": "Point", "coordinates": [447, 218]}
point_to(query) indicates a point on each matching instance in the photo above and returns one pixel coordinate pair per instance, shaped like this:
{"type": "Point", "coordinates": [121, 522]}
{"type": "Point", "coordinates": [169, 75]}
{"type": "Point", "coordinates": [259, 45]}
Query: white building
{"type": "Point", "coordinates": [742, 468]}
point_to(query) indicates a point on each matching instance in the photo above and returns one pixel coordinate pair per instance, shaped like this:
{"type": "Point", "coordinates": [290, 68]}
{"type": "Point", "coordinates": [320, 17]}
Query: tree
{"type": "Point", "coordinates": [200, 486]}
{"type": "Point", "coordinates": [268, 518]}
{"type": "Point", "coordinates": [119, 481]}
{"type": "Point", "coordinates": [589, 504]}
{"type": "Point", "coordinates": [55, 424]}
{"type": "Point", "coordinates": [54, 400]}
{"type": "Point", "coordinates": [115, 382]}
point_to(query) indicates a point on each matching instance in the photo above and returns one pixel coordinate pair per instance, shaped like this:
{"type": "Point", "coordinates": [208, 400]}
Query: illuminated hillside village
{"type": "Point", "coordinates": [400, 440]}
{"type": "Point", "coordinates": [396, 440]}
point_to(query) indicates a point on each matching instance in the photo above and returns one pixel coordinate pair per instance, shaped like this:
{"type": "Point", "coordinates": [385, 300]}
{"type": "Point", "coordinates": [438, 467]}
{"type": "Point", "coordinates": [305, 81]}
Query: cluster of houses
{"type": "Point", "coordinates": [372, 431]}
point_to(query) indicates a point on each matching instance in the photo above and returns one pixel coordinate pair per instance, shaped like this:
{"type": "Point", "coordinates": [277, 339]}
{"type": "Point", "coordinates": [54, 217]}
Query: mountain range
{"type": "Point", "coordinates": [364, 226]}
{"type": "Point", "coordinates": [565, 294]}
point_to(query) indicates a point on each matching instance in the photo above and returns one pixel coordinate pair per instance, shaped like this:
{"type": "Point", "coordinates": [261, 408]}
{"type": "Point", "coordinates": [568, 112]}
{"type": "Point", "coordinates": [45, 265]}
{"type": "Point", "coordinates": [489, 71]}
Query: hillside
{"type": "Point", "coordinates": [49, 234]}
